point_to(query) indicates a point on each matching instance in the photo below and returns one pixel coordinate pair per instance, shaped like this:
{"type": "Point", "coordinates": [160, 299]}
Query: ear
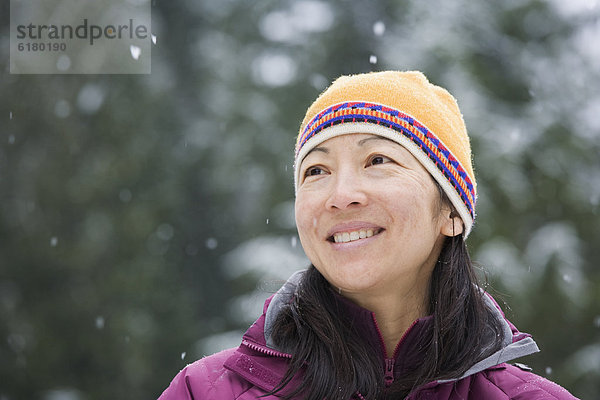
{"type": "Point", "coordinates": [452, 224]}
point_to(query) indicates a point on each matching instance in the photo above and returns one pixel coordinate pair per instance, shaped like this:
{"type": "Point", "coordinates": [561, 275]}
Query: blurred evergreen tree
{"type": "Point", "coordinates": [136, 211]}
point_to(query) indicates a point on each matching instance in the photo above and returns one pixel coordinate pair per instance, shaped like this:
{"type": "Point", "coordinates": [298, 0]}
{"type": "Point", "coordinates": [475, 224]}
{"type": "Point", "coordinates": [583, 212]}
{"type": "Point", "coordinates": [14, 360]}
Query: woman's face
{"type": "Point", "coordinates": [368, 215]}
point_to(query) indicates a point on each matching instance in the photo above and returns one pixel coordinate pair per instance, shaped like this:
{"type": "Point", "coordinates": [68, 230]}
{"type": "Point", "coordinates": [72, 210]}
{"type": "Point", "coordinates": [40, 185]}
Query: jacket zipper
{"type": "Point", "coordinates": [389, 362]}
{"type": "Point", "coordinates": [389, 372]}
{"type": "Point", "coordinates": [265, 350]}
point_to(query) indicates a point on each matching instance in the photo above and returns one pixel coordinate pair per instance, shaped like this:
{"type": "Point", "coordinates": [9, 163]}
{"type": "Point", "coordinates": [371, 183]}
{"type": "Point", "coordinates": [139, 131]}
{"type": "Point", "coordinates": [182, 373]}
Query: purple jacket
{"type": "Point", "coordinates": [256, 366]}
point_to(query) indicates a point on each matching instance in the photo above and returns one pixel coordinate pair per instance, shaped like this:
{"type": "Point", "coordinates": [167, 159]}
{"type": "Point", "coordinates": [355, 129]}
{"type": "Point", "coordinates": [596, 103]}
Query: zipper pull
{"type": "Point", "coordinates": [389, 371]}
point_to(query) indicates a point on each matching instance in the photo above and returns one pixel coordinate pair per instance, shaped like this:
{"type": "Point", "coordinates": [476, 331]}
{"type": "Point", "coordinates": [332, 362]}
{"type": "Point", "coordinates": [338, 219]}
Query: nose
{"type": "Point", "coordinates": [346, 191]}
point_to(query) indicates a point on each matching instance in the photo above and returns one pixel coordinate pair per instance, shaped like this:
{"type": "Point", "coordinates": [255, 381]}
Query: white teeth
{"type": "Point", "coordinates": [346, 237]}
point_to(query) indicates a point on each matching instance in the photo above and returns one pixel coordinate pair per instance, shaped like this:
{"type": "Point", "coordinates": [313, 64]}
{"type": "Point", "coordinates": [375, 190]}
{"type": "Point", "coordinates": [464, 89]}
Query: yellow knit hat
{"type": "Point", "coordinates": [406, 108]}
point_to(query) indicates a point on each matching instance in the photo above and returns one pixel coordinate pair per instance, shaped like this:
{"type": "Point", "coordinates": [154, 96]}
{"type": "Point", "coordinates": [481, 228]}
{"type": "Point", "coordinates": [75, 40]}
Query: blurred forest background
{"type": "Point", "coordinates": [145, 218]}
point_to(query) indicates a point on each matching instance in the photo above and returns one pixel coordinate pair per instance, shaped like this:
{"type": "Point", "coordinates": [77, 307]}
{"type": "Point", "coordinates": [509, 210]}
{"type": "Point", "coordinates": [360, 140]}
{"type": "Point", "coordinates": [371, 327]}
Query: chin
{"type": "Point", "coordinates": [356, 283]}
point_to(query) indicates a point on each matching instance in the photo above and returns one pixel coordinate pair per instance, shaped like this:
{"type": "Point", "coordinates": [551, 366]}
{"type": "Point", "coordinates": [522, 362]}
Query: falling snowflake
{"type": "Point", "coordinates": [135, 52]}
{"type": "Point", "coordinates": [378, 28]}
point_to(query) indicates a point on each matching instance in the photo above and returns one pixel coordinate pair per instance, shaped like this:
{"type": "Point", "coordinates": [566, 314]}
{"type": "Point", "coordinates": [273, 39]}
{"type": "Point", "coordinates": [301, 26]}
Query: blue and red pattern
{"type": "Point", "coordinates": [404, 124]}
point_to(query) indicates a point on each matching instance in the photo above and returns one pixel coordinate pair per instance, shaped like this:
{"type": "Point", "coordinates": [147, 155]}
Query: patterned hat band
{"type": "Point", "coordinates": [366, 117]}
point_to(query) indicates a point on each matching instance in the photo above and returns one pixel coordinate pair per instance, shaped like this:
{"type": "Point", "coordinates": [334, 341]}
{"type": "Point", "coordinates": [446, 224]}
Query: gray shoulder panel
{"type": "Point", "coordinates": [509, 350]}
{"type": "Point", "coordinates": [278, 302]}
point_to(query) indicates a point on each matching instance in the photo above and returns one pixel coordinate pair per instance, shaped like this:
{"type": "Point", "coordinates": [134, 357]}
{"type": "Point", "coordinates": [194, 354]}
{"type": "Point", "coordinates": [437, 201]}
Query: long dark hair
{"type": "Point", "coordinates": [337, 362]}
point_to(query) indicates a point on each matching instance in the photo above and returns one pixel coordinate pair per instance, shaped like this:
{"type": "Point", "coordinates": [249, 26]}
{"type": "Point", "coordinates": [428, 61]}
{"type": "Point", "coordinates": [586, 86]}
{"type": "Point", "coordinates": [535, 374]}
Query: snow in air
{"type": "Point", "coordinates": [211, 243]}
{"type": "Point", "coordinates": [135, 51]}
{"type": "Point", "coordinates": [63, 63]}
{"type": "Point", "coordinates": [90, 98]}
{"type": "Point", "coordinates": [378, 28]}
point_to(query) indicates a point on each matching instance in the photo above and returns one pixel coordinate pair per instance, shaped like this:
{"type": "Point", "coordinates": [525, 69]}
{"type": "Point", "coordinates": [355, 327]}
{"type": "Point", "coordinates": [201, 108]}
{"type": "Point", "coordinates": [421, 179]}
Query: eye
{"type": "Point", "coordinates": [378, 159]}
{"type": "Point", "coordinates": [312, 171]}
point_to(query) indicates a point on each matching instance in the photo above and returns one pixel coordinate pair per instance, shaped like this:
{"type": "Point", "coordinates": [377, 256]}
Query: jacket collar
{"type": "Point", "coordinates": [406, 355]}
{"type": "Point", "coordinates": [260, 362]}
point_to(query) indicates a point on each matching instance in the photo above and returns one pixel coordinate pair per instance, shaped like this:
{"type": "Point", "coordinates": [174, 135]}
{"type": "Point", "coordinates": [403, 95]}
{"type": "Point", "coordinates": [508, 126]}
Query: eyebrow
{"type": "Point", "coordinates": [363, 141]}
{"type": "Point", "coordinates": [321, 149]}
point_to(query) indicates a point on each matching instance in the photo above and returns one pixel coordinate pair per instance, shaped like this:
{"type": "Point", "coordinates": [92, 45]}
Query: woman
{"type": "Point", "coordinates": [390, 307]}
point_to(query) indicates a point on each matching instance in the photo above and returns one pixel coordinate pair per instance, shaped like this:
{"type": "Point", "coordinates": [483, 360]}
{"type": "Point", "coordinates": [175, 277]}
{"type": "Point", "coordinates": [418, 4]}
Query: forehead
{"type": "Point", "coordinates": [354, 139]}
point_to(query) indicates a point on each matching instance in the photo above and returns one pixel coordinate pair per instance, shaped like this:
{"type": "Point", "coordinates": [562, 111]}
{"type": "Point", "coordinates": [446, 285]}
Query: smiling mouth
{"type": "Point", "coordinates": [351, 236]}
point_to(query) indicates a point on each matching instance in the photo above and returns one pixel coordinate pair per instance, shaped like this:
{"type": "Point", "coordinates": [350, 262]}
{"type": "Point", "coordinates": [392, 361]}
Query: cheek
{"type": "Point", "coordinates": [411, 210]}
{"type": "Point", "coordinates": [306, 221]}
{"type": "Point", "coordinates": [304, 214]}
